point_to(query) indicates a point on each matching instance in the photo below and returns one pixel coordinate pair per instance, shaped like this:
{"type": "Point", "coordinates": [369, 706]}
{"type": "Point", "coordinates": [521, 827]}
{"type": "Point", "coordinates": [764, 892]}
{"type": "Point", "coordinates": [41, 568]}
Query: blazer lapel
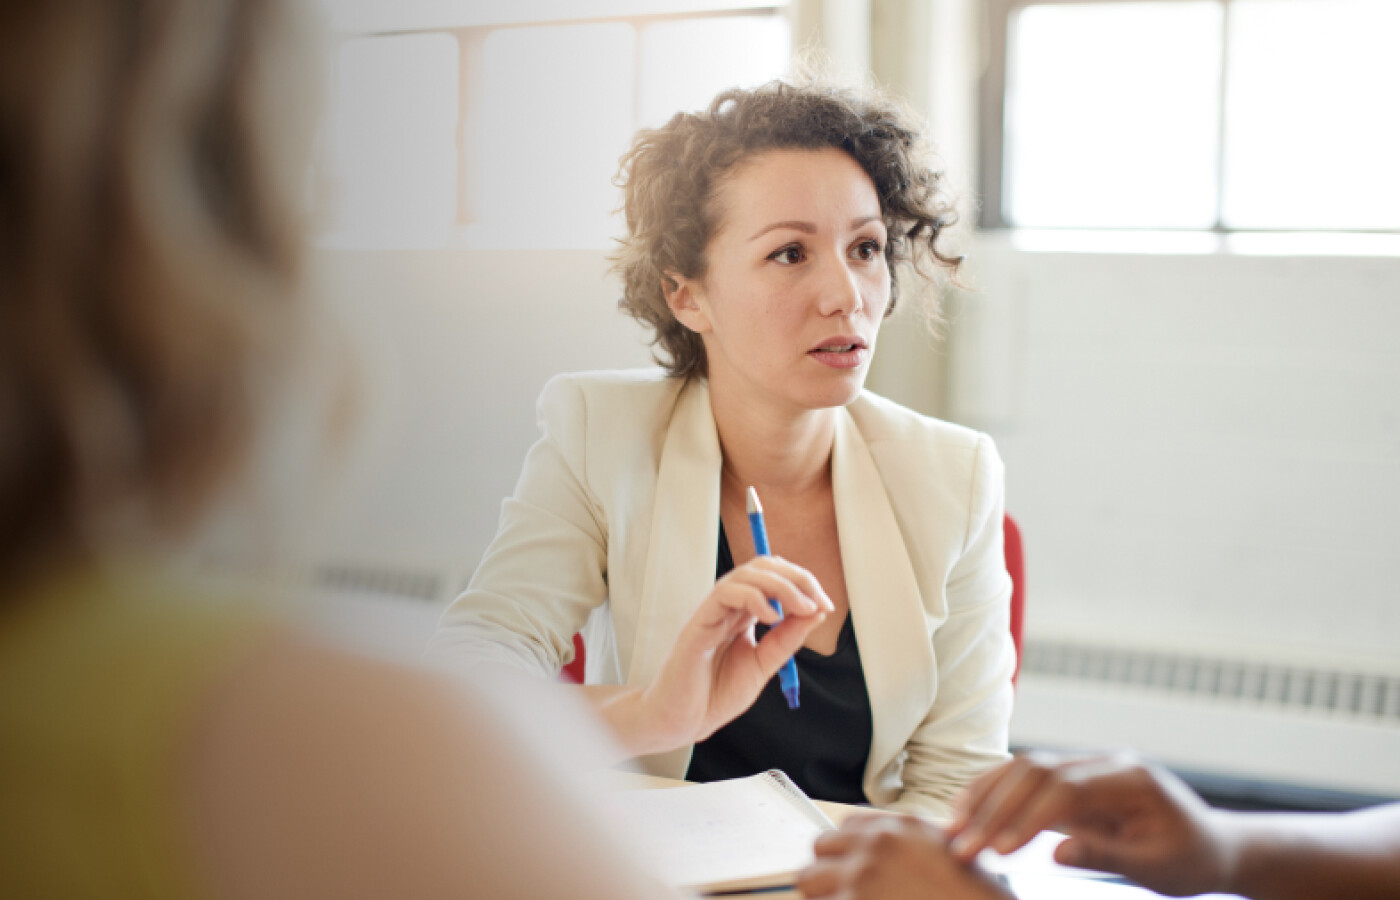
{"type": "Point", "coordinates": [684, 538]}
{"type": "Point", "coordinates": [681, 548]}
{"type": "Point", "coordinates": [886, 609]}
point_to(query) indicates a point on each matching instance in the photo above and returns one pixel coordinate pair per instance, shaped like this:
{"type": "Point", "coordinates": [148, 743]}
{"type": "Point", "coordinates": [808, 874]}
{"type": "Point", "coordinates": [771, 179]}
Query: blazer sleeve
{"type": "Point", "coordinates": [546, 569]}
{"type": "Point", "coordinates": [966, 731]}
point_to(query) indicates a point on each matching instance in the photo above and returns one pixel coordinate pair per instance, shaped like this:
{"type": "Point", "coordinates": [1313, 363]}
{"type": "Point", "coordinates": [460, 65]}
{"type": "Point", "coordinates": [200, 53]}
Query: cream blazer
{"type": "Point", "coordinates": [615, 520]}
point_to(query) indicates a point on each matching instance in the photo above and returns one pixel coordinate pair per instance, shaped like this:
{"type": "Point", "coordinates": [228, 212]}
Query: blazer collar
{"type": "Point", "coordinates": [684, 538]}
{"type": "Point", "coordinates": [681, 546]}
{"type": "Point", "coordinates": [896, 654]}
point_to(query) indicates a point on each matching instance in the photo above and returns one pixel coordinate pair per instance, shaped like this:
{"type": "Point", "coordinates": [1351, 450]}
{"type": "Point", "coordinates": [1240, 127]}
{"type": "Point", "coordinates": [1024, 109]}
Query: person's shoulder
{"type": "Point", "coordinates": [616, 384]}
{"type": "Point", "coordinates": [296, 730]}
{"type": "Point", "coordinates": [633, 390]}
{"type": "Point", "coordinates": [934, 471]}
{"type": "Point", "coordinates": [881, 420]}
{"type": "Point", "coordinates": [619, 409]}
{"type": "Point", "coordinates": [319, 773]}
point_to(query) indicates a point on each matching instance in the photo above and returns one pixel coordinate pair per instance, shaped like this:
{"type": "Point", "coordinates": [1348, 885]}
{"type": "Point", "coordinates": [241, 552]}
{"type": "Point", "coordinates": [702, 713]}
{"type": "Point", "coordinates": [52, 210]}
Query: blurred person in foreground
{"type": "Point", "coordinates": [1121, 815]}
{"type": "Point", "coordinates": [154, 742]}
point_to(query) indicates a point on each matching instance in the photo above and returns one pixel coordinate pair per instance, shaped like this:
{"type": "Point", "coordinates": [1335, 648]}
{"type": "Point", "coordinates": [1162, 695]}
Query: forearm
{"type": "Point", "coordinates": [622, 708]}
{"type": "Point", "coordinates": [1281, 857]}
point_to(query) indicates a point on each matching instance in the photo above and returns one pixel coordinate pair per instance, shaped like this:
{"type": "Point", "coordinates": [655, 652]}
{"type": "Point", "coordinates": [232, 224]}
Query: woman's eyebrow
{"type": "Point", "coordinates": [804, 227]}
{"type": "Point", "coordinates": [807, 227]}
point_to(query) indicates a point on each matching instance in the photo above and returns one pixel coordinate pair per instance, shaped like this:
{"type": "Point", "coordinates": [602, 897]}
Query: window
{"type": "Point", "coordinates": [1194, 114]}
{"type": "Point", "coordinates": [509, 135]}
{"type": "Point", "coordinates": [1313, 115]}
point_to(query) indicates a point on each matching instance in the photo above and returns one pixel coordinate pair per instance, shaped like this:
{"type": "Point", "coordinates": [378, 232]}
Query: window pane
{"type": "Point", "coordinates": [1313, 115]}
{"type": "Point", "coordinates": [1112, 115]}
{"type": "Point", "coordinates": [392, 149]}
{"type": "Point", "coordinates": [553, 113]}
{"type": "Point", "coordinates": [686, 63]}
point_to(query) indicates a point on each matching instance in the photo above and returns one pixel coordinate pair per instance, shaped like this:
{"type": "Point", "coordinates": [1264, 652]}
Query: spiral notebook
{"type": "Point", "coordinates": [735, 835]}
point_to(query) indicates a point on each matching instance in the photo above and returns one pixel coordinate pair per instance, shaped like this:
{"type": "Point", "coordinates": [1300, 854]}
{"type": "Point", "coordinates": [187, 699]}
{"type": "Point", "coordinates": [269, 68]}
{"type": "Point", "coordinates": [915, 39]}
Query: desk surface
{"type": "Point", "coordinates": [623, 781]}
{"type": "Point", "coordinates": [1029, 886]}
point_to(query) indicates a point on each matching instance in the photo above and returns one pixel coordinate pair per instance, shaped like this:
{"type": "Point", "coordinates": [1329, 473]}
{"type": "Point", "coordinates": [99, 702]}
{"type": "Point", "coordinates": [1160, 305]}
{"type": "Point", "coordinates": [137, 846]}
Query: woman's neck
{"type": "Point", "coordinates": [779, 453]}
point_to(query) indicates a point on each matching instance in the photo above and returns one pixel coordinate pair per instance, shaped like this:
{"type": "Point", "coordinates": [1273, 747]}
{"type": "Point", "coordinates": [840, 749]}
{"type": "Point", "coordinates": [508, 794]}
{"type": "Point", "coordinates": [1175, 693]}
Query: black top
{"type": "Point", "coordinates": [822, 745]}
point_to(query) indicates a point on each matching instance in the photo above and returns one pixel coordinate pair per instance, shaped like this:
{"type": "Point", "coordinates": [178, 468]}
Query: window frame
{"type": "Point", "coordinates": [471, 37]}
{"type": "Point", "coordinates": [991, 137]}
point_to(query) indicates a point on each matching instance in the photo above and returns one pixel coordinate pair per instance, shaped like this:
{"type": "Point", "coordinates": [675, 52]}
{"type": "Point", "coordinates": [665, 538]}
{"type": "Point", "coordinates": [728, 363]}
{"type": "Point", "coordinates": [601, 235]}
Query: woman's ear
{"type": "Point", "coordinates": [685, 298]}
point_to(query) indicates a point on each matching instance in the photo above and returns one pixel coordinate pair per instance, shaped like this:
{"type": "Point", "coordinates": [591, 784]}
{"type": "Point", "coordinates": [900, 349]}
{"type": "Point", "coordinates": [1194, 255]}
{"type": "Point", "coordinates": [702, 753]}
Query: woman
{"type": "Point", "coordinates": [155, 744]}
{"type": "Point", "coordinates": [763, 236]}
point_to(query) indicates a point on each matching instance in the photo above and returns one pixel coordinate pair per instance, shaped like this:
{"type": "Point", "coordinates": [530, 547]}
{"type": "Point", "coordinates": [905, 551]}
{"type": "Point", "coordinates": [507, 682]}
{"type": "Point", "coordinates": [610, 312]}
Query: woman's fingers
{"type": "Point", "coordinates": [752, 585]}
{"type": "Point", "coordinates": [821, 879]}
{"type": "Point", "coordinates": [970, 800]}
{"type": "Point", "coordinates": [1041, 810]}
{"type": "Point", "coordinates": [1004, 802]}
{"type": "Point", "coordinates": [782, 641]}
{"type": "Point", "coordinates": [1012, 804]}
{"type": "Point", "coordinates": [802, 579]}
{"type": "Point", "coordinates": [1091, 851]}
{"type": "Point", "coordinates": [834, 843]}
{"type": "Point", "coordinates": [716, 669]}
{"type": "Point", "coordinates": [891, 857]}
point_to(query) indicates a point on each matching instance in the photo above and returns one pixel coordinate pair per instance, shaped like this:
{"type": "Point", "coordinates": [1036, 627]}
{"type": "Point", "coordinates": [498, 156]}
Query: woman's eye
{"type": "Point", "coordinates": [788, 255]}
{"type": "Point", "coordinates": [867, 250]}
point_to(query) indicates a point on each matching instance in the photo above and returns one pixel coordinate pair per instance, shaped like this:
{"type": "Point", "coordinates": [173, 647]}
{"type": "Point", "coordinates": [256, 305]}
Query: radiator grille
{"type": "Point", "coordinates": [1285, 687]}
{"type": "Point", "coordinates": [412, 584]}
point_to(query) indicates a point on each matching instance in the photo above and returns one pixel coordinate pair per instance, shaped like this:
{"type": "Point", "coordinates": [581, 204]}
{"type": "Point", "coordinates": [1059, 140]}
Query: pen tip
{"type": "Point", "coordinates": [753, 505]}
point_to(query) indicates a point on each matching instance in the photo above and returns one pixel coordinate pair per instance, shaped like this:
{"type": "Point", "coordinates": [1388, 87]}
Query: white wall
{"type": "Point", "coordinates": [1202, 449]}
{"type": "Point", "coordinates": [457, 345]}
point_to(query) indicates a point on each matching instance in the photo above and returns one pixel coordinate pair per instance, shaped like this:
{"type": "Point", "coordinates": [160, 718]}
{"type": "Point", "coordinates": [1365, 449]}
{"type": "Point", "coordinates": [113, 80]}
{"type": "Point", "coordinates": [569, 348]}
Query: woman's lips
{"type": "Point", "coordinates": [851, 357]}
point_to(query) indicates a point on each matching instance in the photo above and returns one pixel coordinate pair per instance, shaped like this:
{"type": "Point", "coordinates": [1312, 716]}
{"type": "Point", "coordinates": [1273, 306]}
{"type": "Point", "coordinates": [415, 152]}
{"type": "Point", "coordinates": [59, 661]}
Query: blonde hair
{"type": "Point", "coordinates": [151, 157]}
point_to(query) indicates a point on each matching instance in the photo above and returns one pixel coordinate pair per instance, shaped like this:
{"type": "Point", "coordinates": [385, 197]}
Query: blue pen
{"type": "Point", "coordinates": [787, 675]}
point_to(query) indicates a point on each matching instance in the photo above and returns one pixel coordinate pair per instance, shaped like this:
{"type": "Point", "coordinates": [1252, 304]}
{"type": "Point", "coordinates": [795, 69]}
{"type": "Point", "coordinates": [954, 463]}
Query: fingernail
{"type": "Point", "coordinates": [961, 844]}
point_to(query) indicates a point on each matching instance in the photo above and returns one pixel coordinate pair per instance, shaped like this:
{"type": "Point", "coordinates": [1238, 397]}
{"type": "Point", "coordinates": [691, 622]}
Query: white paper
{"type": "Point", "coordinates": [718, 832]}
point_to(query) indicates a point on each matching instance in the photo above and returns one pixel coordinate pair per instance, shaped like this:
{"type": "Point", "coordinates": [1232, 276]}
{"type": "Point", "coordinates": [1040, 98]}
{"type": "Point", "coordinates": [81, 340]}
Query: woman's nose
{"type": "Point", "coordinates": [840, 290]}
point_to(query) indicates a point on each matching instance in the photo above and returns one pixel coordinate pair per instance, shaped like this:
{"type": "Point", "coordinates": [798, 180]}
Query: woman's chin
{"type": "Point", "coordinates": [835, 392]}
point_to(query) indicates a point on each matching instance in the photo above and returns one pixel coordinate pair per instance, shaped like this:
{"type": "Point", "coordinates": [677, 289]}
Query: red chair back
{"type": "Point", "coordinates": [1015, 567]}
{"type": "Point", "coordinates": [573, 672]}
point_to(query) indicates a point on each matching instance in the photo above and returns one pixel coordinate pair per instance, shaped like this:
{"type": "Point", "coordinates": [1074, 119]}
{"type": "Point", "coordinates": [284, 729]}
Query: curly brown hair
{"type": "Point", "coordinates": [670, 175]}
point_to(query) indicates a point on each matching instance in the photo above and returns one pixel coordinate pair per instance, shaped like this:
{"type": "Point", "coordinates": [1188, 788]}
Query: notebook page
{"type": "Point", "coordinates": [741, 831]}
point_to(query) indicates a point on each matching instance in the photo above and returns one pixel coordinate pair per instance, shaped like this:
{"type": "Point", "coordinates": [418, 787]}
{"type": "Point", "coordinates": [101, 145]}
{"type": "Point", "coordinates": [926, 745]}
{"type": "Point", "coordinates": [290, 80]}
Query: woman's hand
{"type": "Point", "coordinates": [716, 669]}
{"type": "Point", "coordinates": [889, 857]}
{"type": "Point", "coordinates": [1122, 816]}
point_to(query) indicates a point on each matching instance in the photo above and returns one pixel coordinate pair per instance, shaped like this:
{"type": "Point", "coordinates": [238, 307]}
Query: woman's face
{"type": "Point", "coordinates": [796, 283]}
